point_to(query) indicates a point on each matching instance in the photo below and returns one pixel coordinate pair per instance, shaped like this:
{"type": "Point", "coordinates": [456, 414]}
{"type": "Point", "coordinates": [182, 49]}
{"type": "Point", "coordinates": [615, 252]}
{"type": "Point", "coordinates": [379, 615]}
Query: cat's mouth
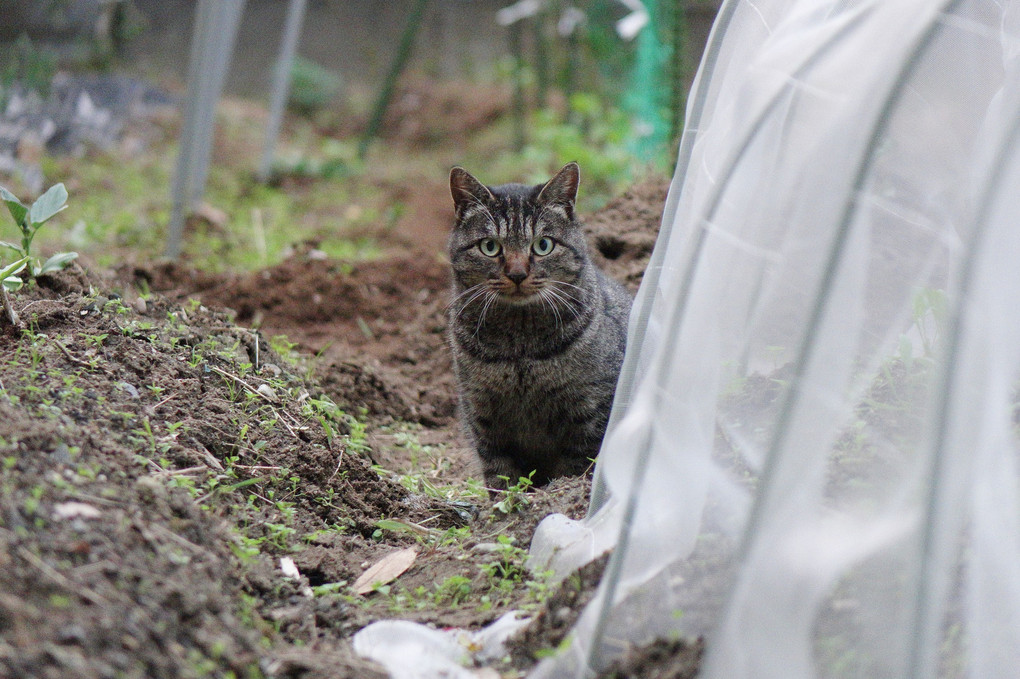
{"type": "Point", "coordinates": [525, 291]}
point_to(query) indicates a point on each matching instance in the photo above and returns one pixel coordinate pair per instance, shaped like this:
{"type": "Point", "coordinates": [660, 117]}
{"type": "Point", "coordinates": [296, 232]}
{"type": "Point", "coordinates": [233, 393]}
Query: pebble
{"type": "Point", "coordinates": [267, 391]}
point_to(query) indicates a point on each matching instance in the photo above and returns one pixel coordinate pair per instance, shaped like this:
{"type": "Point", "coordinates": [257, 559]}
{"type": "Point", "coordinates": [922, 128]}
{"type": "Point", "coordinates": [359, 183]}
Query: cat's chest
{"type": "Point", "coordinates": [522, 378]}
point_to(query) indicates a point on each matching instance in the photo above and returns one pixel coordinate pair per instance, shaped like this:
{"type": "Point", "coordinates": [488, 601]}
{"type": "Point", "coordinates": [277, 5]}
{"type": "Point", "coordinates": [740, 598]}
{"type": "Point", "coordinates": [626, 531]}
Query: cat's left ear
{"type": "Point", "coordinates": [562, 189]}
{"type": "Point", "coordinates": [467, 190]}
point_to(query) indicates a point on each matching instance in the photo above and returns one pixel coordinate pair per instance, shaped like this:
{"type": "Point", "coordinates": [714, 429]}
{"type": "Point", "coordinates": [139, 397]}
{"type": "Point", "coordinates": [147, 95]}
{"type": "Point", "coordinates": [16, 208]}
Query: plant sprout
{"type": "Point", "coordinates": [29, 219]}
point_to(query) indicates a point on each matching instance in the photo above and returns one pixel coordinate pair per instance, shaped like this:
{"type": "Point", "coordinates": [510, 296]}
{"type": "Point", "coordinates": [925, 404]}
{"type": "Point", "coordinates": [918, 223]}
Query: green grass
{"type": "Point", "coordinates": [120, 206]}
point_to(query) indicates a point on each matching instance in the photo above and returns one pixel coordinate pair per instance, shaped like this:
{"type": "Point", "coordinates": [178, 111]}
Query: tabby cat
{"type": "Point", "coordinates": [537, 330]}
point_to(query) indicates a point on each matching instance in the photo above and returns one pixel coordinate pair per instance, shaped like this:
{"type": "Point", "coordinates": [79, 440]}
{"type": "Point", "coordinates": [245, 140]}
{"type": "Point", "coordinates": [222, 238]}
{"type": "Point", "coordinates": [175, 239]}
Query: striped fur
{"type": "Point", "coordinates": [537, 337]}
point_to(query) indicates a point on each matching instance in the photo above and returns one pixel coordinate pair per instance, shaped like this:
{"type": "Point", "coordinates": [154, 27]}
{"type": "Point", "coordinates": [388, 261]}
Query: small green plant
{"type": "Point", "coordinates": [509, 565]}
{"type": "Point", "coordinates": [515, 496]}
{"type": "Point", "coordinates": [312, 86]}
{"type": "Point", "coordinates": [453, 591]}
{"type": "Point", "coordinates": [28, 220]}
{"type": "Point", "coordinates": [9, 280]}
{"type": "Point", "coordinates": [31, 66]}
{"type": "Point", "coordinates": [9, 274]}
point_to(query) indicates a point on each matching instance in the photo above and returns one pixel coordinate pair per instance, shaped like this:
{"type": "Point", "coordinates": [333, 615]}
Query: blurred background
{"type": "Point", "coordinates": [384, 97]}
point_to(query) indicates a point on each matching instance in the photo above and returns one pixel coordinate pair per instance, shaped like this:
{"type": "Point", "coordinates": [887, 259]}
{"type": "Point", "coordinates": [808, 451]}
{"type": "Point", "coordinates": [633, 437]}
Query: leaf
{"type": "Point", "coordinates": [13, 268]}
{"type": "Point", "coordinates": [12, 246]}
{"type": "Point", "coordinates": [386, 569]}
{"type": "Point", "coordinates": [13, 283]}
{"type": "Point", "coordinates": [18, 210]}
{"type": "Point", "coordinates": [57, 262]}
{"type": "Point", "coordinates": [48, 204]}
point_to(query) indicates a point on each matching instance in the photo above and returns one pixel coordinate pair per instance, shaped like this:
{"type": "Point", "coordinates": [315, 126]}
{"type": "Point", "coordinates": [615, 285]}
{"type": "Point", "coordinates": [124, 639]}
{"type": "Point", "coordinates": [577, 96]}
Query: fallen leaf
{"type": "Point", "coordinates": [386, 569]}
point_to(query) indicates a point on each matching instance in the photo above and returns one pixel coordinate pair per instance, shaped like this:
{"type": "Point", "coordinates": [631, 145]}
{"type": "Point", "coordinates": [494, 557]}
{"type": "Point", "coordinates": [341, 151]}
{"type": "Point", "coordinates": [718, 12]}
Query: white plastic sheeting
{"type": "Point", "coordinates": [813, 457]}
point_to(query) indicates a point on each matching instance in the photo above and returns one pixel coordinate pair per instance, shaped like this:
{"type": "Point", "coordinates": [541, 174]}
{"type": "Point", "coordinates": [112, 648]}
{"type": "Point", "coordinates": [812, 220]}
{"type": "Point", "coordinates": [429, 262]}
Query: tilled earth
{"type": "Point", "coordinates": [197, 468]}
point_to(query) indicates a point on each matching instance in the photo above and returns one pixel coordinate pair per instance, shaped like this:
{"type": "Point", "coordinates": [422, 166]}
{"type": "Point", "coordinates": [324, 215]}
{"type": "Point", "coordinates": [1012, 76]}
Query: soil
{"type": "Point", "coordinates": [172, 440]}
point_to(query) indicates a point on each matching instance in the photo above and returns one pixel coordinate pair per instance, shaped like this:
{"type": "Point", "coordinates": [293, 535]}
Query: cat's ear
{"type": "Point", "coordinates": [467, 190]}
{"type": "Point", "coordinates": [562, 189]}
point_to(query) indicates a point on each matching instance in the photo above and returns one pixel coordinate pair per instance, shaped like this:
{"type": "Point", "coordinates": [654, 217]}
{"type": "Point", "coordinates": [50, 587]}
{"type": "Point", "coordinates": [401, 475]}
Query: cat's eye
{"type": "Point", "coordinates": [490, 247]}
{"type": "Point", "coordinates": [543, 246]}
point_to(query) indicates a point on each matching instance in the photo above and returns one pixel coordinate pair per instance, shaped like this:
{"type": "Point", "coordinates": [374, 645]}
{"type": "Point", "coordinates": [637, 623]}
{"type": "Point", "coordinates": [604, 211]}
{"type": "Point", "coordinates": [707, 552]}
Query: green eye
{"type": "Point", "coordinates": [490, 247]}
{"type": "Point", "coordinates": [543, 246]}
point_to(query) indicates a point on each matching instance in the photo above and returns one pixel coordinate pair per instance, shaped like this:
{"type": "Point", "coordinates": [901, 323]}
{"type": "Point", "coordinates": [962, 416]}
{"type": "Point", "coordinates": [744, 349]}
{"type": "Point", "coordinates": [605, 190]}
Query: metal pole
{"type": "Point", "coordinates": [179, 188]}
{"type": "Point", "coordinates": [281, 83]}
{"type": "Point", "coordinates": [212, 44]}
{"type": "Point", "coordinates": [228, 20]}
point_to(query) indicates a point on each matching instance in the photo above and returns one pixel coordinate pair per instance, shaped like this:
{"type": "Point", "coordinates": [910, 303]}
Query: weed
{"type": "Point", "coordinates": [95, 340]}
{"type": "Point", "coordinates": [929, 308]}
{"type": "Point", "coordinates": [279, 535]}
{"type": "Point", "coordinates": [509, 564]}
{"type": "Point", "coordinates": [452, 591]}
{"type": "Point", "coordinates": [599, 139]}
{"type": "Point", "coordinates": [116, 306]}
{"type": "Point", "coordinates": [29, 65]}
{"type": "Point", "coordinates": [285, 348]}
{"type": "Point", "coordinates": [515, 496]}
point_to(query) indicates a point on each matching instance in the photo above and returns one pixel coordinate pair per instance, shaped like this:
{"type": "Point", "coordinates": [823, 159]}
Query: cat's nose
{"type": "Point", "coordinates": [517, 276]}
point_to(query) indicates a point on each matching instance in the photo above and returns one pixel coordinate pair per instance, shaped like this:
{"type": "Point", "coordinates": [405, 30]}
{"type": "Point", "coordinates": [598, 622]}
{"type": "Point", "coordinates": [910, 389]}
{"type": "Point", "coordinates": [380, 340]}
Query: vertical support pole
{"type": "Point", "coordinates": [399, 62]}
{"type": "Point", "coordinates": [677, 69]}
{"type": "Point", "coordinates": [213, 38]}
{"type": "Point", "coordinates": [541, 61]}
{"type": "Point", "coordinates": [517, 51]}
{"type": "Point", "coordinates": [568, 26]}
{"type": "Point", "coordinates": [281, 83]}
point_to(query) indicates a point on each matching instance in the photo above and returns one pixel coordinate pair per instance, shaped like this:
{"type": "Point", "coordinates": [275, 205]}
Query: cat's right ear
{"type": "Point", "coordinates": [467, 190]}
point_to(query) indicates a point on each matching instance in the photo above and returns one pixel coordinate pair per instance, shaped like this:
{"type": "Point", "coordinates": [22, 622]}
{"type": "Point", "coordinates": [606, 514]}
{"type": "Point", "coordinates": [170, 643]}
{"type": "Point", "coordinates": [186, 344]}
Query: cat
{"type": "Point", "coordinates": [536, 330]}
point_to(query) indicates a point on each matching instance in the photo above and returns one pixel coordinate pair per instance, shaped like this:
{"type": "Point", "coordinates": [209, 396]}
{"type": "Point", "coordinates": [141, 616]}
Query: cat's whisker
{"type": "Point", "coordinates": [544, 294]}
{"type": "Point", "coordinates": [492, 296]}
{"type": "Point", "coordinates": [465, 293]}
{"type": "Point", "coordinates": [463, 309]}
{"type": "Point", "coordinates": [565, 300]}
{"type": "Point", "coordinates": [480, 291]}
{"type": "Point", "coordinates": [569, 285]}
{"type": "Point", "coordinates": [563, 294]}
{"type": "Point", "coordinates": [475, 291]}
{"type": "Point", "coordinates": [572, 302]}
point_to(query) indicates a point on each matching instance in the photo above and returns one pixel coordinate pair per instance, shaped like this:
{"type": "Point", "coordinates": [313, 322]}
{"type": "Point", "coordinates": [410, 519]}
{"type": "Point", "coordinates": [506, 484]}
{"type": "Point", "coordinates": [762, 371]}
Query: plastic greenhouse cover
{"type": "Point", "coordinates": [812, 460]}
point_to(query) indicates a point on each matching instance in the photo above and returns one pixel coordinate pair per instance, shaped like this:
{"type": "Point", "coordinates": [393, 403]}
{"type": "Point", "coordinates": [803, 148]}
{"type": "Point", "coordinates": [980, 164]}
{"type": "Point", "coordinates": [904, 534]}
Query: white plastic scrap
{"type": "Point", "coordinates": [291, 572]}
{"type": "Point", "coordinates": [517, 11]}
{"type": "Point", "coordinates": [411, 651]}
{"type": "Point", "coordinates": [75, 510]}
{"type": "Point", "coordinates": [629, 26]}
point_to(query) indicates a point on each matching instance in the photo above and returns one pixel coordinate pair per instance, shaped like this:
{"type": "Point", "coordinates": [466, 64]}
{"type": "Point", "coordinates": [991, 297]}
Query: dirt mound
{"type": "Point", "coordinates": [377, 327]}
{"type": "Point", "coordinates": [128, 434]}
{"type": "Point", "coordinates": [623, 233]}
